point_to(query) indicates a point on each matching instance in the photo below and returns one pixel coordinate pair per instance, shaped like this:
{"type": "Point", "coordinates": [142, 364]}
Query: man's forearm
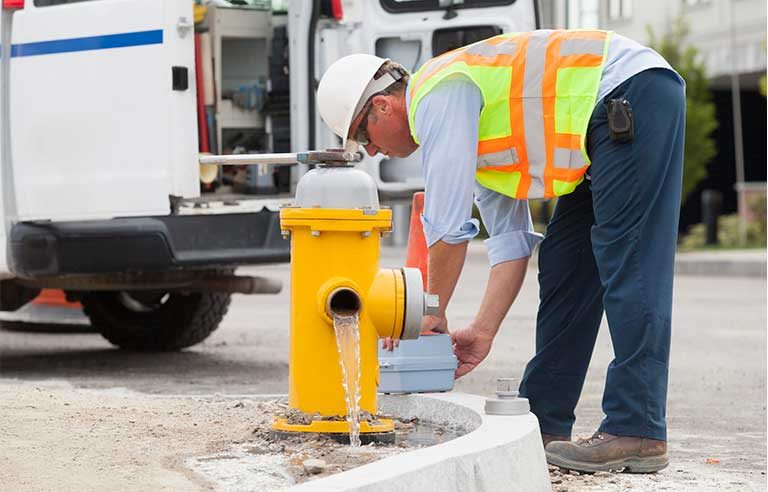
{"type": "Point", "coordinates": [504, 284]}
{"type": "Point", "coordinates": [445, 264]}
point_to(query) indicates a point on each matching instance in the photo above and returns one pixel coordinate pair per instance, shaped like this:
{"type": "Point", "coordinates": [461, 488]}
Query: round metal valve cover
{"type": "Point", "coordinates": [417, 303]}
{"type": "Point", "coordinates": [337, 187]}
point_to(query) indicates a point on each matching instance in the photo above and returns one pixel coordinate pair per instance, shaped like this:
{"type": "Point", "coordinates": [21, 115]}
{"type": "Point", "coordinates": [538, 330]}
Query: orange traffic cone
{"type": "Point", "coordinates": [54, 297]}
{"type": "Point", "coordinates": [50, 310]}
{"type": "Point", "coordinates": [417, 254]}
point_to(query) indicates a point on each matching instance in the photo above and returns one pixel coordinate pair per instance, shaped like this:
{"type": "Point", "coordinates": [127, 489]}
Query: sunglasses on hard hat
{"type": "Point", "coordinates": [361, 133]}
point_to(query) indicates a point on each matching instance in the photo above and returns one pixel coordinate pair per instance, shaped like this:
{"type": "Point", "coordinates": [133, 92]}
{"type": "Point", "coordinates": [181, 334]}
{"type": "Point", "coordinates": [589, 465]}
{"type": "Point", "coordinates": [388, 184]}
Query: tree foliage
{"type": "Point", "coordinates": [700, 120]}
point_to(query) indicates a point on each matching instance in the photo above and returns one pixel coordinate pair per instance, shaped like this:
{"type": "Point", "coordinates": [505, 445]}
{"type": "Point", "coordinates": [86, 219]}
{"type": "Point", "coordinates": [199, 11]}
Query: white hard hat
{"type": "Point", "coordinates": [346, 87]}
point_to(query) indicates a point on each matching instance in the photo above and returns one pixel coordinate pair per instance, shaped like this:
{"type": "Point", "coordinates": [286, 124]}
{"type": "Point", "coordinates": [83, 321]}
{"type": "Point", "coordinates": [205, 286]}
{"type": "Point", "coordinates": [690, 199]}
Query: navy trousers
{"type": "Point", "coordinates": [610, 247]}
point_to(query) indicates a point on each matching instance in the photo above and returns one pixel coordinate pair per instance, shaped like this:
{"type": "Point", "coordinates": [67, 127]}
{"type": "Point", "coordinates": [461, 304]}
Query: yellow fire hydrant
{"type": "Point", "coordinates": [335, 227]}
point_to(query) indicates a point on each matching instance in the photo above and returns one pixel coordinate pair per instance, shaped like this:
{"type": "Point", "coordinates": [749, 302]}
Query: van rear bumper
{"type": "Point", "coordinates": [138, 244]}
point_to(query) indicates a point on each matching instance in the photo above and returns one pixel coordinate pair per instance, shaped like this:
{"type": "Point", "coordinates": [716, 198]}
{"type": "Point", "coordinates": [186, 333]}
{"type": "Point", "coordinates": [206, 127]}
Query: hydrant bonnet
{"type": "Point", "coordinates": [337, 187]}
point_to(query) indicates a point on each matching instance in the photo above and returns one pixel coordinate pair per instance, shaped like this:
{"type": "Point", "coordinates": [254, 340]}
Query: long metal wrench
{"type": "Point", "coordinates": [309, 157]}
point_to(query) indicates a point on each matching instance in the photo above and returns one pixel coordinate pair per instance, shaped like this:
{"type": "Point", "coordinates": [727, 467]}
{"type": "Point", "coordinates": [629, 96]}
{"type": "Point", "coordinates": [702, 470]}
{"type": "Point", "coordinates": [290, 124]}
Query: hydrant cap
{"type": "Point", "coordinates": [415, 303]}
{"type": "Point", "coordinates": [337, 187]}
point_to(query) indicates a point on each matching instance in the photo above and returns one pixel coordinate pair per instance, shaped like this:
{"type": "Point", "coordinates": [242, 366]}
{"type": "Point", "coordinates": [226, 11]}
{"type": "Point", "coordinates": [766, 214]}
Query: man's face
{"type": "Point", "coordinates": [383, 123]}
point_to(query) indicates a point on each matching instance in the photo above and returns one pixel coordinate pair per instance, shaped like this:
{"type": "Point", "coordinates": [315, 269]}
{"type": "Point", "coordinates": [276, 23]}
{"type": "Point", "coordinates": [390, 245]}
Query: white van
{"type": "Point", "coordinates": [99, 148]}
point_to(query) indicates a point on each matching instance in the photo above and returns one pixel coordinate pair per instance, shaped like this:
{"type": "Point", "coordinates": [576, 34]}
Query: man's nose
{"type": "Point", "coordinates": [371, 149]}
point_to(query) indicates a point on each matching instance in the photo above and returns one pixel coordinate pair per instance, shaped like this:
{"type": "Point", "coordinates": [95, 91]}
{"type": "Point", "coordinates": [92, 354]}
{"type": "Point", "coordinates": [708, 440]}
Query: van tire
{"type": "Point", "coordinates": [155, 321]}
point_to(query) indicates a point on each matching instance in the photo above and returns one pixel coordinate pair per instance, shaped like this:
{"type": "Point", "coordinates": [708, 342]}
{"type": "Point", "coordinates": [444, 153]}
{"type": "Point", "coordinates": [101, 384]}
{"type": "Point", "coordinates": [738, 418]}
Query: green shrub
{"type": "Point", "coordinates": [757, 206]}
{"type": "Point", "coordinates": [728, 234]}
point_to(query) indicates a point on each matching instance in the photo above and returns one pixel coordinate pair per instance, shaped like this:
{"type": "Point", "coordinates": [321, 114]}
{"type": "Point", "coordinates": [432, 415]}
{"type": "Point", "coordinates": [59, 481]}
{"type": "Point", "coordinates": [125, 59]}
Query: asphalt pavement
{"type": "Point", "coordinates": [717, 388]}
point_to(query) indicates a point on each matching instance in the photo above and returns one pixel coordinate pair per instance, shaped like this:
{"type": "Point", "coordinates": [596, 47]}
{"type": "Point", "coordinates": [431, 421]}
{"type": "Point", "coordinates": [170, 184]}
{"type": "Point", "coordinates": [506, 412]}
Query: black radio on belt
{"type": "Point", "coordinates": [620, 125]}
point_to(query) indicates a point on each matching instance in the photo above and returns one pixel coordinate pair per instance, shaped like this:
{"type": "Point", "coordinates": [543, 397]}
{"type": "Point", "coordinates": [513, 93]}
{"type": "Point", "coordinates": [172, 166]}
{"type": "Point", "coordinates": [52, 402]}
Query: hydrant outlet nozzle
{"type": "Point", "coordinates": [343, 301]}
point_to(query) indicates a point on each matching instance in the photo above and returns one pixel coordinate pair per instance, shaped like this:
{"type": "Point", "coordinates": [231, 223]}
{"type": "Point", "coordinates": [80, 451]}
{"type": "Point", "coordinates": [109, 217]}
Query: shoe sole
{"type": "Point", "coordinates": [649, 464]}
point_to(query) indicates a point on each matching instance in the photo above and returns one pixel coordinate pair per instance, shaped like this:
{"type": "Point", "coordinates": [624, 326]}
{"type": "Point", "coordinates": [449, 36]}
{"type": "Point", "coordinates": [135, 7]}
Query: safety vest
{"type": "Point", "coordinates": [539, 89]}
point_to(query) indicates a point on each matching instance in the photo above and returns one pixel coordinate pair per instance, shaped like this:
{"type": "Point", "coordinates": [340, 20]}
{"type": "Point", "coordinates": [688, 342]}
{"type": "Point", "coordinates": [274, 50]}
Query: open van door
{"type": "Point", "coordinates": [103, 108]}
{"type": "Point", "coordinates": [407, 31]}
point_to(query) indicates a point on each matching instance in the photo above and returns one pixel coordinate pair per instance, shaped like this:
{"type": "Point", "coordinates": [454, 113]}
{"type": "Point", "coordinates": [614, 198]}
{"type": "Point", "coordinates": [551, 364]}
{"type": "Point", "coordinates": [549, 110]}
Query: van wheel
{"type": "Point", "coordinates": [155, 320]}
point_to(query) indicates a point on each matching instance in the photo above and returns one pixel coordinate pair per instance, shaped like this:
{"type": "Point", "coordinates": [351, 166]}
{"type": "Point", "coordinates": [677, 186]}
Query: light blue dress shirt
{"type": "Point", "coordinates": [446, 123]}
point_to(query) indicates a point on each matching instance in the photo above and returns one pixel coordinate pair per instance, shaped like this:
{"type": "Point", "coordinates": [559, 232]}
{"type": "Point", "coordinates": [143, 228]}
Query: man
{"type": "Point", "coordinates": [592, 118]}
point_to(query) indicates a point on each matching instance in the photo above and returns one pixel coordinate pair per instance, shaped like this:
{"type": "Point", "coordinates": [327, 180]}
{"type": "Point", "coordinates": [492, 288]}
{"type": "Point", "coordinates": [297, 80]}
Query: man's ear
{"type": "Point", "coordinates": [381, 104]}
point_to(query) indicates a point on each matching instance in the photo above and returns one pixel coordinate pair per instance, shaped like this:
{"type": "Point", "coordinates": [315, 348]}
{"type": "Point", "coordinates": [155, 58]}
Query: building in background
{"type": "Point", "coordinates": [730, 36]}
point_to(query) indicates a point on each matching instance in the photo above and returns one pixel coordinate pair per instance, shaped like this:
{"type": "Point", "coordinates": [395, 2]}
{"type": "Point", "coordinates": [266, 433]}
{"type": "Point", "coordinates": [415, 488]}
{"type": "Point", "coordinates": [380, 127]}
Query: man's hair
{"type": "Point", "coordinates": [396, 70]}
{"type": "Point", "coordinates": [397, 88]}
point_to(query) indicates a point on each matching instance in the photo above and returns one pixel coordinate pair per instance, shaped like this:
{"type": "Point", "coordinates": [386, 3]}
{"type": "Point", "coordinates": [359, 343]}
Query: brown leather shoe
{"type": "Point", "coordinates": [605, 452]}
{"type": "Point", "coordinates": [548, 438]}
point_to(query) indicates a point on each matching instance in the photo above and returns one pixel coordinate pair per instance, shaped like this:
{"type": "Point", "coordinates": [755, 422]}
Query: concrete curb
{"type": "Point", "coordinates": [747, 263]}
{"type": "Point", "coordinates": [728, 263]}
{"type": "Point", "coordinates": [501, 453]}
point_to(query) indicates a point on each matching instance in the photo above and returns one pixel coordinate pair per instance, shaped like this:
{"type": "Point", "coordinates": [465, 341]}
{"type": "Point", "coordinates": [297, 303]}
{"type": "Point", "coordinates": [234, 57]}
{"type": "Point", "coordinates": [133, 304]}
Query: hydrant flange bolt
{"type": "Point", "coordinates": [315, 233]}
{"type": "Point", "coordinates": [431, 304]}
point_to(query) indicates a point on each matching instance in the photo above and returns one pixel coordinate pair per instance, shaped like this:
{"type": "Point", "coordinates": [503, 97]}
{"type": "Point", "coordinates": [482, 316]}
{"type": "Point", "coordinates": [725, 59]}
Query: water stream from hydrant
{"type": "Point", "coordinates": [348, 342]}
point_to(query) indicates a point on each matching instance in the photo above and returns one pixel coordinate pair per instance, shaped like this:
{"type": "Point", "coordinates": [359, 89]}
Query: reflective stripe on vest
{"type": "Point", "coordinates": [539, 90]}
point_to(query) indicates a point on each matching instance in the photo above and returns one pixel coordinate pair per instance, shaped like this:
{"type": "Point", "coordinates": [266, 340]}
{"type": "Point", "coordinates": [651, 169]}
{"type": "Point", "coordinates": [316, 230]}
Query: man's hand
{"type": "Point", "coordinates": [389, 344]}
{"type": "Point", "coordinates": [471, 346]}
{"type": "Point", "coordinates": [438, 324]}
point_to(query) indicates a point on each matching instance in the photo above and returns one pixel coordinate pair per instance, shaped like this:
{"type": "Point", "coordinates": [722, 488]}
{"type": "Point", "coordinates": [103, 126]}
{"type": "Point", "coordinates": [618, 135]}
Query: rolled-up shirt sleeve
{"type": "Point", "coordinates": [446, 123]}
{"type": "Point", "coordinates": [509, 226]}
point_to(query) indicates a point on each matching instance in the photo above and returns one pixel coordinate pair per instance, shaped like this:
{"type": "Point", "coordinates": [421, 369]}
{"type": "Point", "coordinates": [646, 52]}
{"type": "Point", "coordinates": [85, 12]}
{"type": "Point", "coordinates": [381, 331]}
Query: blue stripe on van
{"type": "Point", "coordinates": [104, 42]}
